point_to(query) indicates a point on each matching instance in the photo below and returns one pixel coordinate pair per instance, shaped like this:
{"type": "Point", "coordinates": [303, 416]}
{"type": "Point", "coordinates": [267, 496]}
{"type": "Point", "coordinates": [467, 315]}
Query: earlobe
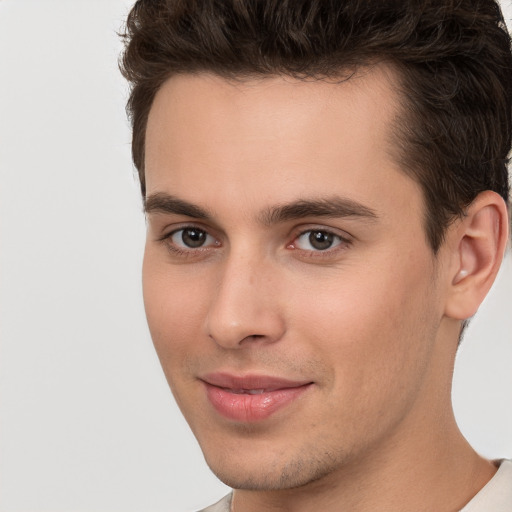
{"type": "Point", "coordinates": [478, 242]}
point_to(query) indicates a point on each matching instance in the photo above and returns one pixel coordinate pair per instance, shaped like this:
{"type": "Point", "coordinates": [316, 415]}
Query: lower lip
{"type": "Point", "coordinates": [249, 408]}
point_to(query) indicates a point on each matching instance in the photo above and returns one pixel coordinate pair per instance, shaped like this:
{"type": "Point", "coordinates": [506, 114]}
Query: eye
{"type": "Point", "coordinates": [191, 238]}
{"type": "Point", "coordinates": [317, 240]}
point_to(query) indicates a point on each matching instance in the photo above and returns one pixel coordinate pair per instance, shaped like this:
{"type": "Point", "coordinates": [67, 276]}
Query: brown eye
{"type": "Point", "coordinates": [321, 240]}
{"type": "Point", "coordinates": [191, 238]}
{"type": "Point", "coordinates": [317, 240]}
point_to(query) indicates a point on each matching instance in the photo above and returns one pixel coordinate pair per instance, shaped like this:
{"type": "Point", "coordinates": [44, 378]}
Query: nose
{"type": "Point", "coordinates": [245, 310]}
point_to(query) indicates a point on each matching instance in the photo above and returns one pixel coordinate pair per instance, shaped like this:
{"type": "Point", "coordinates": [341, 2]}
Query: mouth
{"type": "Point", "coordinates": [253, 397]}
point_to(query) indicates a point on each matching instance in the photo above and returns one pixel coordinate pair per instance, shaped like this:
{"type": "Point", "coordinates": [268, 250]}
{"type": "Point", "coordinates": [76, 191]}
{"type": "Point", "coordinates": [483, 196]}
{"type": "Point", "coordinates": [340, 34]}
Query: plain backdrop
{"type": "Point", "coordinates": [87, 422]}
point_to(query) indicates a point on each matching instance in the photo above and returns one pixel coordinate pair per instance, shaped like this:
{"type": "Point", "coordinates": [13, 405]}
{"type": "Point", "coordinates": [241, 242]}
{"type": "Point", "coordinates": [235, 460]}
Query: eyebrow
{"type": "Point", "coordinates": [165, 203]}
{"type": "Point", "coordinates": [333, 207]}
{"type": "Point", "coordinates": [330, 207]}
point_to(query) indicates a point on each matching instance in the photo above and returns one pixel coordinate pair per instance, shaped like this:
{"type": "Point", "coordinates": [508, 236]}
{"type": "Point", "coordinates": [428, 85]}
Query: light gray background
{"type": "Point", "coordinates": [87, 422]}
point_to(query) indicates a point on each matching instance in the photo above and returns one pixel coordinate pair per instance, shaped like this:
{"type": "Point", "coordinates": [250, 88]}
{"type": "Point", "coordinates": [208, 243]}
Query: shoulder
{"type": "Point", "coordinates": [223, 505]}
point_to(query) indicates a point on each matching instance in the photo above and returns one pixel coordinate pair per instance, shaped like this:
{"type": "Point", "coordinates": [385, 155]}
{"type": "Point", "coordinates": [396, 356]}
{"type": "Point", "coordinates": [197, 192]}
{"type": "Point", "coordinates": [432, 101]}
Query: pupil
{"type": "Point", "coordinates": [193, 237]}
{"type": "Point", "coordinates": [320, 240]}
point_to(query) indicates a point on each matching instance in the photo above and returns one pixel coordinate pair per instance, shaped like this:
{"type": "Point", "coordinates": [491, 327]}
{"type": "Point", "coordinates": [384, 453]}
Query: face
{"type": "Point", "coordinates": [289, 288]}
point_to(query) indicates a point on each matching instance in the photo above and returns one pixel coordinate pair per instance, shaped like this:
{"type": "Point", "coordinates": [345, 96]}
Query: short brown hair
{"type": "Point", "coordinates": [453, 59]}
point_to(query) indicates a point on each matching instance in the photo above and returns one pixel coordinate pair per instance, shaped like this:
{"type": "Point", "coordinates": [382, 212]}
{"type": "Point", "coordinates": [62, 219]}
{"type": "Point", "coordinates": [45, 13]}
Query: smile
{"type": "Point", "coordinates": [251, 398]}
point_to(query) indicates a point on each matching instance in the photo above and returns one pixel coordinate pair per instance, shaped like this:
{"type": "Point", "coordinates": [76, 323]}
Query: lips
{"type": "Point", "coordinates": [251, 398]}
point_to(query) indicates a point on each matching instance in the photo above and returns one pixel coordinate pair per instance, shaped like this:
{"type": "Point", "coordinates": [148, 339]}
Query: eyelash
{"type": "Point", "coordinates": [342, 243]}
{"type": "Point", "coordinates": [182, 252]}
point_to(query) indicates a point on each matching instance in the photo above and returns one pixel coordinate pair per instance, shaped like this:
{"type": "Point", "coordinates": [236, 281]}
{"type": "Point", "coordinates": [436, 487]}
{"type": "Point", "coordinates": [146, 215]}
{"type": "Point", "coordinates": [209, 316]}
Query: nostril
{"type": "Point", "coordinates": [234, 323]}
{"type": "Point", "coordinates": [254, 337]}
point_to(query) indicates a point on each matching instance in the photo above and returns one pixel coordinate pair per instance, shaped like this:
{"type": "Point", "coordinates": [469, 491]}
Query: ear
{"type": "Point", "coordinates": [477, 244]}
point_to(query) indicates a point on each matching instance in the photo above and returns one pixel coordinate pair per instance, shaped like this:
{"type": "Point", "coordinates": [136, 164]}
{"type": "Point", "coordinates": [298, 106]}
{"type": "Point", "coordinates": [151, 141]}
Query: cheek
{"type": "Point", "coordinates": [175, 306]}
{"type": "Point", "coordinates": [370, 327]}
{"type": "Point", "coordinates": [376, 352]}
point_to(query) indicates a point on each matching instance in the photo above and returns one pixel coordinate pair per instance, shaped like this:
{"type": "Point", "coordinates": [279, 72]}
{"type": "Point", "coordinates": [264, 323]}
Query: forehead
{"type": "Point", "coordinates": [263, 110]}
{"type": "Point", "coordinates": [276, 139]}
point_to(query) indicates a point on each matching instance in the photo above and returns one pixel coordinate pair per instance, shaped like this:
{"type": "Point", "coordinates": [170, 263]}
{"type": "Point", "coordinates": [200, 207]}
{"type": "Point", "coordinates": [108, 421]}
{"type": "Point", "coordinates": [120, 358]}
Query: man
{"type": "Point", "coordinates": [325, 186]}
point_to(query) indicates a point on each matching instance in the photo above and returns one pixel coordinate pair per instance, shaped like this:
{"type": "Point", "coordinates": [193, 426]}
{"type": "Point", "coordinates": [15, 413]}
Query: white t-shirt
{"type": "Point", "coordinates": [496, 496]}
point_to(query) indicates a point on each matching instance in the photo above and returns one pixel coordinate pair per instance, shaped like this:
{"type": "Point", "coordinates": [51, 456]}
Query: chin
{"type": "Point", "coordinates": [272, 475]}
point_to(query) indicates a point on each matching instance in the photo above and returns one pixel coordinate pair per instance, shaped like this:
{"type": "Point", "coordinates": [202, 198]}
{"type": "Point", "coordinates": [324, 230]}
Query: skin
{"type": "Point", "coordinates": [372, 321]}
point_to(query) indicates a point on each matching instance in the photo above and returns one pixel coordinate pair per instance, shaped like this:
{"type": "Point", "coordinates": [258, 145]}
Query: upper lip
{"type": "Point", "coordinates": [251, 382]}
